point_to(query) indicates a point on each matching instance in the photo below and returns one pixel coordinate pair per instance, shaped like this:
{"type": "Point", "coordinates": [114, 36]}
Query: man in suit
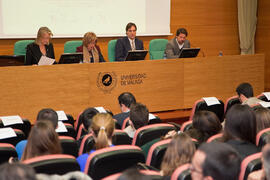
{"type": "Point", "coordinates": [175, 45]}
{"type": "Point", "coordinates": [130, 42]}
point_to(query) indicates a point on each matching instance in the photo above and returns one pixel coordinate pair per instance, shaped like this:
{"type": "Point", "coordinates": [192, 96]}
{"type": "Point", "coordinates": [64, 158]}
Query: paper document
{"type": "Point", "coordinates": [44, 60]}
{"type": "Point", "coordinates": [61, 127]}
{"type": "Point", "coordinates": [7, 133]}
{"type": "Point", "coordinates": [151, 116]}
{"type": "Point", "coordinates": [9, 120]}
{"type": "Point", "coordinates": [61, 116]}
{"type": "Point", "coordinates": [101, 109]}
{"type": "Point", "coordinates": [267, 95]}
{"type": "Point", "coordinates": [211, 101]}
{"type": "Point", "coordinates": [265, 104]}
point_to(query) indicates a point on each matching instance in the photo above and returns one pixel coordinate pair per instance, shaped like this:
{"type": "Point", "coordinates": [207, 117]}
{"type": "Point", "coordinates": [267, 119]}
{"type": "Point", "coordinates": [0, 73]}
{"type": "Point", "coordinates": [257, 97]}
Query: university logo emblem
{"type": "Point", "coordinates": [106, 81]}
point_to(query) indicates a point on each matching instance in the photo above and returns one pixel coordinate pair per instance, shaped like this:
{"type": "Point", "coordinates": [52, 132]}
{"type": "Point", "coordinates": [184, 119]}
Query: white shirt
{"type": "Point", "coordinates": [130, 41]}
{"type": "Point", "coordinates": [179, 45]}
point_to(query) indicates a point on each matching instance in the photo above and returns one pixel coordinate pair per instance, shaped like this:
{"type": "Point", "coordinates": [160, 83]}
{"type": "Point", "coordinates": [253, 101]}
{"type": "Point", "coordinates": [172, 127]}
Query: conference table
{"type": "Point", "coordinates": [161, 85]}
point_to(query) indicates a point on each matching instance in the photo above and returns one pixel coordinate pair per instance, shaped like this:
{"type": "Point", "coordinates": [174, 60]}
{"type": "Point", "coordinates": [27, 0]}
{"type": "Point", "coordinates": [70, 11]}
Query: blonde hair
{"type": "Point", "coordinates": [42, 31]}
{"type": "Point", "coordinates": [103, 128]}
{"type": "Point", "coordinates": [88, 38]}
{"type": "Point", "coordinates": [180, 151]}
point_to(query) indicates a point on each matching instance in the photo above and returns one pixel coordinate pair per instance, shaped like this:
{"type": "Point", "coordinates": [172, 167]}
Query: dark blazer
{"type": "Point", "coordinates": [101, 58]}
{"type": "Point", "coordinates": [121, 117]}
{"type": "Point", "coordinates": [172, 49]}
{"type": "Point", "coordinates": [33, 53]}
{"type": "Point", "coordinates": [123, 46]}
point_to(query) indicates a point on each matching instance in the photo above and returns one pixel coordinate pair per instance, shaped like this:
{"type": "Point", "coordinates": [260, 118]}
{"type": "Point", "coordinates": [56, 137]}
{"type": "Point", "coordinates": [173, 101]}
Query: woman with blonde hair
{"type": "Point", "coordinates": [90, 49]}
{"type": "Point", "coordinates": [102, 128]}
{"type": "Point", "coordinates": [41, 47]}
{"type": "Point", "coordinates": [42, 140]}
{"type": "Point", "coordinates": [180, 151]}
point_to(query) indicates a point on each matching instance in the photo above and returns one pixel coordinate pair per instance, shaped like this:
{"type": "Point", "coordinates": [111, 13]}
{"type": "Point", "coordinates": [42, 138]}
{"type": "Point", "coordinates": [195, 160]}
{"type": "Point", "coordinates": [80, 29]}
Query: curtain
{"type": "Point", "coordinates": [247, 21]}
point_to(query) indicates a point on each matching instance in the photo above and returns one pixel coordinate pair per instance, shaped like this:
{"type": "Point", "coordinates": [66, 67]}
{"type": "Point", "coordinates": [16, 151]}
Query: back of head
{"type": "Point", "coordinates": [87, 117]}
{"type": "Point", "coordinates": [48, 114]}
{"type": "Point", "coordinates": [16, 171]}
{"type": "Point", "coordinates": [245, 89]}
{"type": "Point", "coordinates": [240, 123]}
{"type": "Point", "coordinates": [222, 162]}
{"type": "Point", "coordinates": [266, 160]}
{"type": "Point", "coordinates": [139, 115]}
{"type": "Point", "coordinates": [42, 140]}
{"type": "Point", "coordinates": [133, 174]}
{"type": "Point", "coordinates": [103, 128]}
{"type": "Point", "coordinates": [180, 151]}
{"type": "Point", "coordinates": [262, 118]}
{"type": "Point", "coordinates": [126, 99]}
{"type": "Point", "coordinates": [207, 123]}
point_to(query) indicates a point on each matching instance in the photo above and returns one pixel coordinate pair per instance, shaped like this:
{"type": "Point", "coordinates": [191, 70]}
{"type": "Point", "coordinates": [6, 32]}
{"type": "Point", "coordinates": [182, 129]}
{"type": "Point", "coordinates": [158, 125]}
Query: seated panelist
{"type": "Point", "coordinates": [41, 47]}
{"type": "Point", "coordinates": [90, 49]}
{"type": "Point", "coordinates": [130, 42]}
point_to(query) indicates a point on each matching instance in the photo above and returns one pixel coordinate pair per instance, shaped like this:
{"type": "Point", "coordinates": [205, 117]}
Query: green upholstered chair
{"type": "Point", "coordinates": [111, 50]}
{"type": "Point", "coordinates": [70, 46]}
{"type": "Point", "coordinates": [20, 47]}
{"type": "Point", "coordinates": [157, 48]}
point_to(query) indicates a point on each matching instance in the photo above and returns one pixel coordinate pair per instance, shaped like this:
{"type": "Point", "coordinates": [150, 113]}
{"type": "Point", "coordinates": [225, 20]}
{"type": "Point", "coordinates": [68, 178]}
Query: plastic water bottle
{"type": "Point", "coordinates": [220, 53]}
{"type": "Point", "coordinates": [164, 56]}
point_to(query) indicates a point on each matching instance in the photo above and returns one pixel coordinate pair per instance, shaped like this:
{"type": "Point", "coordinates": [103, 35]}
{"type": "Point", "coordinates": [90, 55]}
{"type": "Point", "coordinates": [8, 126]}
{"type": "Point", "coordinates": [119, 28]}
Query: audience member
{"type": "Point", "coordinates": [125, 100]}
{"type": "Point", "coordinates": [180, 151]}
{"type": "Point", "coordinates": [41, 47]}
{"type": "Point", "coordinates": [245, 93]}
{"type": "Point", "coordinates": [130, 42]}
{"type": "Point", "coordinates": [262, 118]}
{"type": "Point", "coordinates": [240, 130]}
{"type": "Point", "coordinates": [215, 161]}
{"type": "Point", "coordinates": [90, 49]}
{"type": "Point", "coordinates": [204, 125]}
{"type": "Point", "coordinates": [102, 128]}
{"type": "Point", "coordinates": [133, 174]}
{"type": "Point", "coordinates": [17, 171]}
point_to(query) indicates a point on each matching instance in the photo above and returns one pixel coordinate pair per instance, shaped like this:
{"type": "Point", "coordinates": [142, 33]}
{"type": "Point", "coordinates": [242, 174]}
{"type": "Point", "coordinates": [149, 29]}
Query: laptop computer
{"type": "Point", "coordinates": [70, 58]}
{"type": "Point", "coordinates": [136, 55]}
{"type": "Point", "coordinates": [189, 52]}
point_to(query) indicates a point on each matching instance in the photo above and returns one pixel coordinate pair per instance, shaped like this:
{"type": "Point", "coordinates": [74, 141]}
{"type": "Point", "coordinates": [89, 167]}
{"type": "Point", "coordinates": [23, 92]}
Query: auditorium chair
{"type": "Point", "coordinates": [230, 102]}
{"type": "Point", "coordinates": [249, 164]}
{"type": "Point", "coordinates": [7, 151]}
{"type": "Point", "coordinates": [86, 144]}
{"type": "Point", "coordinates": [153, 175]}
{"type": "Point", "coordinates": [20, 47]}
{"type": "Point", "coordinates": [111, 50]}
{"type": "Point", "coordinates": [157, 48]}
{"type": "Point", "coordinates": [69, 145]}
{"type": "Point", "coordinates": [147, 133]}
{"type": "Point", "coordinates": [14, 140]}
{"type": "Point", "coordinates": [200, 105]}
{"type": "Point", "coordinates": [71, 46]}
{"type": "Point", "coordinates": [25, 127]}
{"type": "Point", "coordinates": [111, 160]}
{"type": "Point", "coordinates": [70, 131]}
{"type": "Point", "coordinates": [263, 137]}
{"type": "Point", "coordinates": [53, 164]}
{"type": "Point", "coordinates": [81, 132]}
{"type": "Point", "coordinates": [182, 173]}
{"type": "Point", "coordinates": [186, 126]}
{"type": "Point", "coordinates": [216, 137]}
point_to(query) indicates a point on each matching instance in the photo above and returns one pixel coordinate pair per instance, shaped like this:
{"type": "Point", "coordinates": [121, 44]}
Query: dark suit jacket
{"type": "Point", "coordinates": [33, 53]}
{"type": "Point", "coordinates": [121, 117]}
{"type": "Point", "coordinates": [101, 58]}
{"type": "Point", "coordinates": [123, 46]}
{"type": "Point", "coordinates": [172, 49]}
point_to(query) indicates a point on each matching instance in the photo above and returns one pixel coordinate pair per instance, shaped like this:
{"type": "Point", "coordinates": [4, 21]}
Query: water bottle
{"type": "Point", "coordinates": [164, 56]}
{"type": "Point", "coordinates": [220, 53]}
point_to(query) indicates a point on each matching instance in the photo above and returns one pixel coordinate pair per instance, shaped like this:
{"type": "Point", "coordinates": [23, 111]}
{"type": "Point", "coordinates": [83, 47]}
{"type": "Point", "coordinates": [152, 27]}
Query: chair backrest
{"type": "Point", "coordinates": [87, 144]}
{"type": "Point", "coordinates": [182, 173]}
{"type": "Point", "coordinates": [25, 127]}
{"type": "Point", "coordinates": [125, 123]}
{"type": "Point", "coordinates": [249, 164]}
{"type": "Point", "coordinates": [53, 164]}
{"type": "Point", "coordinates": [7, 151]}
{"type": "Point", "coordinates": [69, 145]}
{"type": "Point", "coordinates": [111, 50]}
{"type": "Point", "coordinates": [71, 46]}
{"type": "Point", "coordinates": [20, 47]}
{"type": "Point", "coordinates": [111, 160]}
{"type": "Point", "coordinates": [14, 140]}
{"type": "Point", "coordinates": [186, 126]}
{"type": "Point", "coordinates": [120, 137]}
{"type": "Point", "coordinates": [200, 105]}
{"type": "Point", "coordinates": [156, 153]}
{"type": "Point", "coordinates": [70, 119]}
{"type": "Point", "coordinates": [263, 137]}
{"type": "Point", "coordinates": [215, 137]}
{"type": "Point", "coordinates": [78, 122]}
{"type": "Point", "coordinates": [230, 102]}
{"type": "Point", "coordinates": [81, 132]}
{"type": "Point", "coordinates": [157, 48]}
{"type": "Point", "coordinates": [147, 133]}
{"type": "Point", "coordinates": [70, 131]}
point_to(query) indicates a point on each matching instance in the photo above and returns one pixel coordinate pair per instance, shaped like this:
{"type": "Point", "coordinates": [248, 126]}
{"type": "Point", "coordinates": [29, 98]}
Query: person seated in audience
{"type": "Point", "coordinates": [42, 140]}
{"type": "Point", "coordinates": [215, 161]}
{"type": "Point", "coordinates": [90, 49]}
{"type": "Point", "coordinates": [133, 174]}
{"type": "Point", "coordinates": [204, 125]}
{"type": "Point", "coordinates": [174, 46]}
{"type": "Point", "coordinates": [180, 151]}
{"type": "Point", "coordinates": [41, 47]}
{"type": "Point", "coordinates": [240, 130]}
{"type": "Point", "coordinates": [102, 128]}
{"type": "Point", "coordinates": [245, 94]}
{"type": "Point", "coordinates": [44, 114]}
{"type": "Point", "coordinates": [138, 117]}
{"type": "Point", "coordinates": [125, 100]}
{"type": "Point", "coordinates": [264, 173]}
{"type": "Point", "coordinates": [262, 118]}
{"type": "Point", "coordinates": [130, 42]}
{"type": "Point", "coordinates": [10, 171]}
